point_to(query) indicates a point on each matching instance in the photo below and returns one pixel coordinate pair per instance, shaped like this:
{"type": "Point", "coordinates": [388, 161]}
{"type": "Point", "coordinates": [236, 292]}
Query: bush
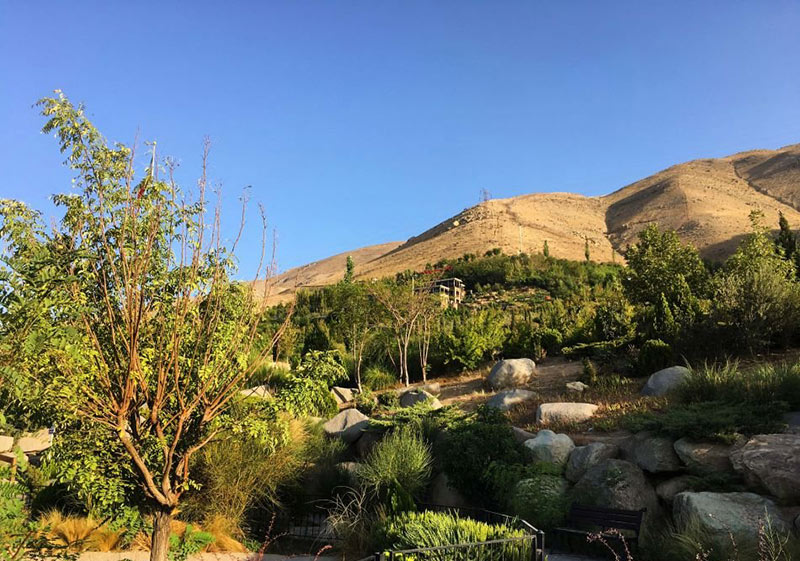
{"type": "Point", "coordinates": [654, 355]}
{"type": "Point", "coordinates": [398, 469]}
{"type": "Point", "coordinates": [326, 366]}
{"type": "Point", "coordinates": [376, 378]}
{"type": "Point", "coordinates": [366, 402]}
{"type": "Point", "coordinates": [541, 500]}
{"type": "Point", "coordinates": [389, 400]}
{"type": "Point", "coordinates": [412, 530]}
{"type": "Point", "coordinates": [532, 340]}
{"type": "Point", "coordinates": [475, 336]}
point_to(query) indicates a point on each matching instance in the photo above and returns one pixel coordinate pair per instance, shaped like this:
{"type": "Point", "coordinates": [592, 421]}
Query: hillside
{"type": "Point", "coordinates": [706, 201]}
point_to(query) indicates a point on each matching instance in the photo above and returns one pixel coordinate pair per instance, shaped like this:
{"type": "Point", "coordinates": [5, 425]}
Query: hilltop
{"type": "Point", "coordinates": [706, 201]}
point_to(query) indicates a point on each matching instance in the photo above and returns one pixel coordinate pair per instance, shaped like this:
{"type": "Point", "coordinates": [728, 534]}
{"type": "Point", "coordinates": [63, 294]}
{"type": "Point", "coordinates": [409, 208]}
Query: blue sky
{"type": "Point", "coordinates": [360, 122]}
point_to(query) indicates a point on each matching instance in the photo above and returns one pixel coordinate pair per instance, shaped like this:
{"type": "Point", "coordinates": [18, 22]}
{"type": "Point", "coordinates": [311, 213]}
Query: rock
{"type": "Point", "coordinates": [565, 412]}
{"type": "Point", "coordinates": [412, 397]}
{"type": "Point", "coordinates": [666, 490]}
{"type": "Point", "coordinates": [369, 438]}
{"type": "Point", "coordinates": [522, 435]}
{"type": "Point", "coordinates": [343, 395]}
{"type": "Point", "coordinates": [36, 442]}
{"type": "Point", "coordinates": [442, 494]}
{"type": "Point", "coordinates": [511, 373]}
{"type": "Point", "coordinates": [6, 443]}
{"type": "Point", "coordinates": [507, 399]}
{"type": "Point", "coordinates": [792, 420]}
{"type": "Point", "coordinates": [771, 461]}
{"type": "Point", "coordinates": [617, 484]}
{"type": "Point", "coordinates": [433, 388]}
{"type": "Point", "coordinates": [257, 391]}
{"type": "Point", "coordinates": [664, 381]}
{"type": "Point", "coordinates": [577, 387]}
{"type": "Point", "coordinates": [704, 457]}
{"type": "Point", "coordinates": [584, 457]}
{"type": "Point", "coordinates": [652, 453]}
{"type": "Point", "coordinates": [722, 514]}
{"type": "Point", "coordinates": [550, 447]}
{"type": "Point", "coordinates": [347, 425]}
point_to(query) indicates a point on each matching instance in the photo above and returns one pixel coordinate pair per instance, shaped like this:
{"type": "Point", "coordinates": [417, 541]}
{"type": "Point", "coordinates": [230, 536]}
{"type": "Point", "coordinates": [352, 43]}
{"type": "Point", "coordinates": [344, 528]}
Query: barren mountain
{"type": "Point", "coordinates": [707, 202]}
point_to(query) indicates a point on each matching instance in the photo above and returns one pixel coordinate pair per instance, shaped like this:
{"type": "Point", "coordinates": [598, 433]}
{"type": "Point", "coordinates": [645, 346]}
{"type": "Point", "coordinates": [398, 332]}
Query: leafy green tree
{"type": "Point", "coordinates": [475, 336]}
{"type": "Point", "coordinates": [546, 249]}
{"type": "Point", "coordinates": [356, 318]}
{"type": "Point", "coordinates": [123, 316]}
{"type": "Point", "coordinates": [787, 240]}
{"type": "Point", "coordinates": [586, 252]}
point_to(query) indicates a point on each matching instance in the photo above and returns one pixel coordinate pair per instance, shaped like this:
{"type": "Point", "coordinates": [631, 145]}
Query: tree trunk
{"type": "Point", "coordinates": [162, 522]}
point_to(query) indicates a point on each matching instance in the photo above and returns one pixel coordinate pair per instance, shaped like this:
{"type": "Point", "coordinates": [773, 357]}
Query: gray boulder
{"type": "Point", "coordinates": [343, 395]}
{"type": "Point", "coordinates": [565, 412]}
{"type": "Point", "coordinates": [505, 400]}
{"type": "Point", "coordinates": [443, 494]}
{"type": "Point", "coordinates": [511, 373]}
{"type": "Point", "coordinates": [667, 490]}
{"type": "Point", "coordinates": [722, 514]}
{"type": "Point", "coordinates": [771, 461]}
{"type": "Point", "coordinates": [617, 484]}
{"type": "Point", "coordinates": [412, 397]}
{"type": "Point", "coordinates": [576, 387]}
{"type": "Point", "coordinates": [433, 388]}
{"type": "Point", "coordinates": [347, 425]}
{"type": "Point", "coordinates": [652, 453]}
{"type": "Point", "coordinates": [704, 457]}
{"type": "Point", "coordinates": [521, 435]}
{"type": "Point", "coordinates": [550, 447]}
{"type": "Point", "coordinates": [584, 457]}
{"type": "Point", "coordinates": [6, 443]}
{"type": "Point", "coordinates": [33, 443]}
{"type": "Point", "coordinates": [369, 438]}
{"type": "Point", "coordinates": [664, 381]}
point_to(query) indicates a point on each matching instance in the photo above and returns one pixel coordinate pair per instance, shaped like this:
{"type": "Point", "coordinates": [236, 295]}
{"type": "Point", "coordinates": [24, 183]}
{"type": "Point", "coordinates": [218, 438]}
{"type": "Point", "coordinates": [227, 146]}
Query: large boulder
{"type": "Point", "coordinates": [664, 381]}
{"type": "Point", "coordinates": [347, 425]}
{"type": "Point", "coordinates": [433, 388]}
{"type": "Point", "coordinates": [652, 453]}
{"type": "Point", "coordinates": [706, 457]}
{"type": "Point", "coordinates": [669, 488]}
{"type": "Point", "coordinates": [33, 443]}
{"type": "Point", "coordinates": [576, 387]}
{"type": "Point", "coordinates": [565, 412]}
{"type": "Point", "coordinates": [511, 373]}
{"type": "Point", "coordinates": [369, 438]}
{"type": "Point", "coordinates": [443, 494]}
{"type": "Point", "coordinates": [584, 457]}
{"type": "Point", "coordinates": [343, 395]}
{"type": "Point", "coordinates": [521, 435]}
{"type": "Point", "coordinates": [6, 443]}
{"type": "Point", "coordinates": [505, 400]}
{"type": "Point", "coordinates": [617, 484]}
{"type": "Point", "coordinates": [771, 461]}
{"type": "Point", "coordinates": [721, 514]}
{"type": "Point", "coordinates": [412, 397]}
{"type": "Point", "coordinates": [550, 447]}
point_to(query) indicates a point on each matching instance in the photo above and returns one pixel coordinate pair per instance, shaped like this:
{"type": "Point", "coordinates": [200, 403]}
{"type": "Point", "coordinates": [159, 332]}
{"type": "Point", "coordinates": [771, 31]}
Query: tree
{"type": "Point", "coordinates": [431, 310]}
{"type": "Point", "coordinates": [586, 252]}
{"type": "Point", "coordinates": [355, 317]}
{"type": "Point", "coordinates": [349, 270]}
{"type": "Point", "coordinates": [125, 312]}
{"type": "Point", "coordinates": [546, 249]}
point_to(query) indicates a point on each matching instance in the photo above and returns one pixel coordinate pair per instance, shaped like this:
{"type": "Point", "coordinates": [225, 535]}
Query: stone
{"type": "Point", "coordinates": [652, 453]}
{"type": "Point", "coordinates": [792, 420]}
{"type": "Point", "coordinates": [36, 442]}
{"type": "Point", "coordinates": [617, 484]}
{"type": "Point", "coordinates": [664, 381]}
{"type": "Point", "coordinates": [511, 373]}
{"type": "Point", "coordinates": [576, 387]}
{"type": "Point", "coordinates": [666, 490]}
{"type": "Point", "coordinates": [550, 447]}
{"type": "Point", "coordinates": [347, 425]}
{"type": "Point", "coordinates": [705, 457]}
{"type": "Point", "coordinates": [521, 435]}
{"type": "Point", "coordinates": [565, 412]}
{"type": "Point", "coordinates": [771, 461]}
{"type": "Point", "coordinates": [6, 443]}
{"type": "Point", "coordinates": [343, 395]}
{"type": "Point", "coordinates": [506, 400]}
{"type": "Point", "coordinates": [443, 494]}
{"type": "Point", "coordinates": [584, 457]}
{"type": "Point", "coordinates": [257, 391]}
{"type": "Point", "coordinates": [722, 514]}
{"type": "Point", "coordinates": [412, 397]}
{"type": "Point", "coordinates": [369, 438]}
{"type": "Point", "coordinates": [433, 388]}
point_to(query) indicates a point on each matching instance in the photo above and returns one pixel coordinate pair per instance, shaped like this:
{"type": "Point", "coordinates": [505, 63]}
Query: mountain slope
{"type": "Point", "coordinates": [707, 202]}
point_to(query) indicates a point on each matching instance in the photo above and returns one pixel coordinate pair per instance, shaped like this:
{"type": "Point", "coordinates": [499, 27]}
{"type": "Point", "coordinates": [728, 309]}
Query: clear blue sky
{"type": "Point", "coordinates": [359, 122]}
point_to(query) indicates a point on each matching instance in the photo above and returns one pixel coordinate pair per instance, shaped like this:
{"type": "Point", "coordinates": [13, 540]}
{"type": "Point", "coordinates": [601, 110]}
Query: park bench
{"type": "Point", "coordinates": [585, 520]}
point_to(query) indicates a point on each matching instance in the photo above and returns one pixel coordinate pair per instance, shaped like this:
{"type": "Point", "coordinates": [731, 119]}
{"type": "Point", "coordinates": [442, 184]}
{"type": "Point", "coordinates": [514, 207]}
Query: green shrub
{"type": "Point", "coordinates": [192, 541]}
{"type": "Point", "coordinates": [474, 337]}
{"type": "Point", "coordinates": [366, 402]}
{"type": "Point", "coordinates": [532, 340]}
{"type": "Point", "coordinates": [326, 366]}
{"type": "Point", "coordinates": [377, 378]}
{"type": "Point", "coordinates": [389, 400]}
{"type": "Point", "coordinates": [398, 468]}
{"type": "Point", "coordinates": [541, 500]}
{"type": "Point", "coordinates": [412, 530]}
{"type": "Point", "coordinates": [654, 355]}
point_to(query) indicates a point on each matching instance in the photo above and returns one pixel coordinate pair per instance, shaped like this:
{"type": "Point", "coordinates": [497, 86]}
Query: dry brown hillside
{"type": "Point", "coordinates": [706, 201]}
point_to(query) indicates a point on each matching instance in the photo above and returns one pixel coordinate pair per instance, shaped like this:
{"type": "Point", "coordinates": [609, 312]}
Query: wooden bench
{"type": "Point", "coordinates": [584, 520]}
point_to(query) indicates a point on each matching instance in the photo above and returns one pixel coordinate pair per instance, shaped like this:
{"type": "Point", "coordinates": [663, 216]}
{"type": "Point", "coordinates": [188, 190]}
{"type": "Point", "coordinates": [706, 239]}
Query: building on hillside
{"type": "Point", "coordinates": [451, 291]}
